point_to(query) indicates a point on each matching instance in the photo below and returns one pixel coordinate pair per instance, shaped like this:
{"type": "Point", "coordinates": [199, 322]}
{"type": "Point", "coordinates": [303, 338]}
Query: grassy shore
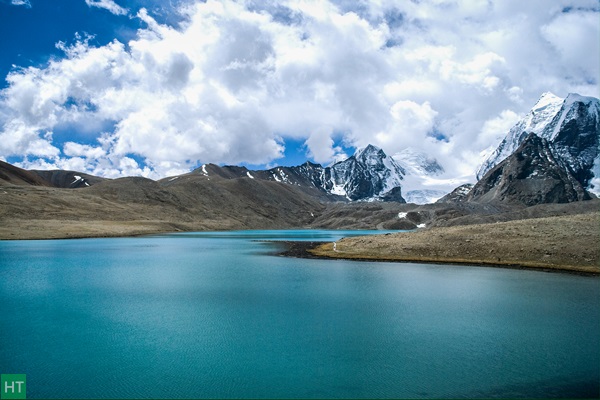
{"type": "Point", "coordinates": [568, 243]}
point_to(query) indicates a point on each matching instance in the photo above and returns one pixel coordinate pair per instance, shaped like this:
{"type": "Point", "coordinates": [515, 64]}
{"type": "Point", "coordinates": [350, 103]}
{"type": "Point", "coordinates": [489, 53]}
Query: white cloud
{"type": "Point", "coordinates": [109, 5]}
{"type": "Point", "coordinates": [235, 79]}
{"type": "Point", "coordinates": [25, 3]}
{"type": "Point", "coordinates": [321, 146]}
{"type": "Point", "coordinates": [408, 126]}
{"type": "Point", "coordinates": [573, 35]}
{"type": "Point", "coordinates": [494, 129]}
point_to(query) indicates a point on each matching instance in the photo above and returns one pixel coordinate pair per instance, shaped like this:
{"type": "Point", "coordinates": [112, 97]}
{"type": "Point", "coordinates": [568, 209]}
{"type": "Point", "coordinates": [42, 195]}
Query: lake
{"type": "Point", "coordinates": [218, 315]}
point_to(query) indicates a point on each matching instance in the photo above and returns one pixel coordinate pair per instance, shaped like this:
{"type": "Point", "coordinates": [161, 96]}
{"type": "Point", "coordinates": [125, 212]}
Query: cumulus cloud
{"type": "Point", "coordinates": [109, 5]}
{"type": "Point", "coordinates": [234, 80]}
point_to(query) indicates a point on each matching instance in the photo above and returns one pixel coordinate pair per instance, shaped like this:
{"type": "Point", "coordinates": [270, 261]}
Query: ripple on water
{"type": "Point", "coordinates": [213, 315]}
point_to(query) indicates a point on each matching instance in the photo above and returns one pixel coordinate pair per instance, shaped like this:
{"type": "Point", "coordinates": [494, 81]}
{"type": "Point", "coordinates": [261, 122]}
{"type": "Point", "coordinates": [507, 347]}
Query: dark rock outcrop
{"type": "Point", "coordinates": [457, 195]}
{"type": "Point", "coordinates": [532, 175]}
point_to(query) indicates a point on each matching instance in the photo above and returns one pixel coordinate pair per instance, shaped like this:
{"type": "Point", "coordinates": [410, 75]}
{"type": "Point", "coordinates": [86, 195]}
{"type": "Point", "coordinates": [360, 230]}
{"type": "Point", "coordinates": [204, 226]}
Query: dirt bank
{"type": "Point", "coordinates": [570, 243]}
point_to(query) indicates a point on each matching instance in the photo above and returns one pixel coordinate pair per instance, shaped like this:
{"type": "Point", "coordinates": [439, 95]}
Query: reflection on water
{"type": "Point", "coordinates": [213, 315]}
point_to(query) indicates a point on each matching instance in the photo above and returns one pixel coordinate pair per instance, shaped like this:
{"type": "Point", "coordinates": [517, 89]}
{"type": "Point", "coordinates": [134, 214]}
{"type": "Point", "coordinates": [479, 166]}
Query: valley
{"type": "Point", "coordinates": [534, 203]}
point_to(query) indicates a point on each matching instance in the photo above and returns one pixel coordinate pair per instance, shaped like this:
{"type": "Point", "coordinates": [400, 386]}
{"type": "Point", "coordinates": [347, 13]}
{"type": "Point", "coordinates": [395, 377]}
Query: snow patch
{"type": "Point", "coordinates": [172, 179]}
{"type": "Point", "coordinates": [77, 178]}
{"type": "Point", "coordinates": [594, 185]}
{"type": "Point", "coordinates": [204, 170]}
{"type": "Point", "coordinates": [402, 215]}
{"type": "Point", "coordinates": [421, 226]}
{"type": "Point", "coordinates": [424, 196]}
{"type": "Point", "coordinates": [249, 175]}
{"type": "Point", "coordinates": [338, 189]}
{"type": "Point", "coordinates": [283, 175]}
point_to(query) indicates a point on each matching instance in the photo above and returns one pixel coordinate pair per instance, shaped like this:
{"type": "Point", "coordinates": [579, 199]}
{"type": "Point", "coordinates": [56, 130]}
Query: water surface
{"type": "Point", "coordinates": [217, 315]}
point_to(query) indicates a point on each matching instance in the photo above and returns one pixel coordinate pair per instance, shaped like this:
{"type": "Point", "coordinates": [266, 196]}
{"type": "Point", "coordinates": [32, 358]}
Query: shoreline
{"type": "Point", "coordinates": [309, 250]}
{"type": "Point", "coordinates": [567, 243]}
{"type": "Point", "coordinates": [53, 229]}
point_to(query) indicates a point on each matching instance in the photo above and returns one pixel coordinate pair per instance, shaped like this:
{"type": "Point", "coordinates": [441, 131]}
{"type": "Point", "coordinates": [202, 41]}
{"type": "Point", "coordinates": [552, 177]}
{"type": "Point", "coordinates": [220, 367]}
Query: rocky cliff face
{"type": "Point", "coordinates": [575, 137]}
{"type": "Point", "coordinates": [532, 175]}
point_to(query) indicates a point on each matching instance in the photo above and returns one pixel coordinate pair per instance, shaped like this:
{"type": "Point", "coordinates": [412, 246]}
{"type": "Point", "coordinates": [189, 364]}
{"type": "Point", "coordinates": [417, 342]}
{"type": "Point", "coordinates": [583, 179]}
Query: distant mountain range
{"type": "Point", "coordinates": [550, 156]}
{"type": "Point", "coordinates": [368, 175]}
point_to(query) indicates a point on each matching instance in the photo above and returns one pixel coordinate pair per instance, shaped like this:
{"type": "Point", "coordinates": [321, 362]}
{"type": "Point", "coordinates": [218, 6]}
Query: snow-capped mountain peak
{"type": "Point", "coordinates": [535, 121]}
{"type": "Point", "coordinates": [571, 125]}
{"type": "Point", "coordinates": [369, 152]}
{"type": "Point", "coordinates": [367, 175]}
{"type": "Point", "coordinates": [546, 99]}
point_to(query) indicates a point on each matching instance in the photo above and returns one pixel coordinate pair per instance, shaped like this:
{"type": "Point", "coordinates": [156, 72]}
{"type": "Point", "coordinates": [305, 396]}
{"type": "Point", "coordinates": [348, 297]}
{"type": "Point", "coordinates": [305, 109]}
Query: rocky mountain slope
{"type": "Point", "coordinates": [68, 179]}
{"type": "Point", "coordinates": [570, 125]}
{"type": "Point", "coordinates": [369, 174]}
{"type": "Point", "coordinates": [457, 195]}
{"type": "Point", "coordinates": [11, 175]}
{"type": "Point", "coordinates": [531, 175]}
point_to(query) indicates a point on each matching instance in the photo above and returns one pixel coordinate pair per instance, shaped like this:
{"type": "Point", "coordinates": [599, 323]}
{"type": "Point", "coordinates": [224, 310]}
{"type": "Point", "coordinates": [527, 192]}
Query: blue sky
{"type": "Point", "coordinates": [31, 32]}
{"type": "Point", "coordinates": [155, 88]}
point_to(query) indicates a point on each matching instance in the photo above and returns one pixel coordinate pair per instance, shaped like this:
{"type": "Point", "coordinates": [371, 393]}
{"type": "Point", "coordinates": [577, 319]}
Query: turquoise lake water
{"type": "Point", "coordinates": [217, 315]}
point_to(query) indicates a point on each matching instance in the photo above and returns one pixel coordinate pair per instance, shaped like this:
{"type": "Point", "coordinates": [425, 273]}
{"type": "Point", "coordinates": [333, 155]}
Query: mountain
{"type": "Point", "coordinates": [68, 179]}
{"type": "Point", "coordinates": [570, 125]}
{"type": "Point", "coordinates": [220, 198]}
{"type": "Point", "coordinates": [533, 174]}
{"type": "Point", "coordinates": [457, 195]}
{"type": "Point", "coordinates": [210, 198]}
{"type": "Point", "coordinates": [11, 175]}
{"type": "Point", "coordinates": [575, 135]}
{"type": "Point", "coordinates": [367, 175]}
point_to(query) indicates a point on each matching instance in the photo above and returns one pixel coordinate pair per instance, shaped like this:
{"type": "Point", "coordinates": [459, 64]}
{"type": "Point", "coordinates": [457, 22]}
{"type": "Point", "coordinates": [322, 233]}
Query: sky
{"type": "Point", "coordinates": [157, 88]}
